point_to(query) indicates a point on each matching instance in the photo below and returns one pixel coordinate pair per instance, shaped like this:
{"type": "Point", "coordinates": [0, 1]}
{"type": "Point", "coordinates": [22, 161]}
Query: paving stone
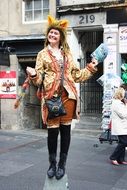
{"type": "Point", "coordinates": [55, 184]}
{"type": "Point", "coordinates": [11, 167]}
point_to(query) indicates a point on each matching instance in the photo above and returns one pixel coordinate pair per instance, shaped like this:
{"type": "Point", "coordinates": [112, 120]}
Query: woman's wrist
{"type": "Point", "coordinates": [31, 72]}
{"type": "Point", "coordinates": [91, 67]}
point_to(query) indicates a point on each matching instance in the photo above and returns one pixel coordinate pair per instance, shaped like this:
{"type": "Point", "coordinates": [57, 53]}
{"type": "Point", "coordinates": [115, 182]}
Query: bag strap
{"type": "Point", "coordinates": [62, 74]}
{"type": "Point", "coordinates": [62, 71]}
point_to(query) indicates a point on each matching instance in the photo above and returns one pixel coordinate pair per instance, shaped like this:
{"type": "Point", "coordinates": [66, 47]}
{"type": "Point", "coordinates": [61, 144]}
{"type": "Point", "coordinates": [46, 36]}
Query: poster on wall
{"type": "Point", "coordinates": [123, 39]}
{"type": "Point", "coordinates": [110, 62]}
{"type": "Point", "coordinates": [7, 84]}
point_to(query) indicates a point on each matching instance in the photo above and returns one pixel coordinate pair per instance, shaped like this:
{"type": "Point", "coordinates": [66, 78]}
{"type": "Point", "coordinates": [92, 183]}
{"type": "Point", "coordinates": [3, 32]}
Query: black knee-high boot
{"type": "Point", "coordinates": [52, 148]}
{"type": "Point", "coordinates": [61, 166]}
{"type": "Point", "coordinates": [64, 147]}
{"type": "Point", "coordinates": [52, 168]}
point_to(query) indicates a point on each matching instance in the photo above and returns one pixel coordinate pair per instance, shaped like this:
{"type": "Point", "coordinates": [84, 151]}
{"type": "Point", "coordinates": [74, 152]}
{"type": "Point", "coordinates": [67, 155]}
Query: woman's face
{"type": "Point", "coordinates": [54, 37]}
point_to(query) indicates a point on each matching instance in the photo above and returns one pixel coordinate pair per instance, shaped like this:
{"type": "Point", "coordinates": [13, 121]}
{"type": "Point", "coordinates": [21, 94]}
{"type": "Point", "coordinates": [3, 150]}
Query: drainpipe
{"type": "Point", "coordinates": [57, 5]}
{"type": "Point", "coordinates": [57, 2]}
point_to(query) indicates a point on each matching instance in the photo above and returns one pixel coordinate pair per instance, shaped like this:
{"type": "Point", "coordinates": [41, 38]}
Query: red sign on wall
{"type": "Point", "coordinates": [7, 84]}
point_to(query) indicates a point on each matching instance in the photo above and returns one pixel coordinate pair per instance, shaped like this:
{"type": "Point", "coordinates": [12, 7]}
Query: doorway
{"type": "Point", "coordinates": [31, 108]}
{"type": "Point", "coordinates": [91, 91]}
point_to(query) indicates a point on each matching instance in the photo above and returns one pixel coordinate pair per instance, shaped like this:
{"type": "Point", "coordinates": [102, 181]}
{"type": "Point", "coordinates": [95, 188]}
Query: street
{"type": "Point", "coordinates": [24, 162]}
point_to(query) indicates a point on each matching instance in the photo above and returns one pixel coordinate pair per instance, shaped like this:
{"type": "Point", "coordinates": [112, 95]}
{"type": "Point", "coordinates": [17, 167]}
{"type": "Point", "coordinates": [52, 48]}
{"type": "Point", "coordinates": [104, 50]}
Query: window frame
{"type": "Point", "coordinates": [32, 21]}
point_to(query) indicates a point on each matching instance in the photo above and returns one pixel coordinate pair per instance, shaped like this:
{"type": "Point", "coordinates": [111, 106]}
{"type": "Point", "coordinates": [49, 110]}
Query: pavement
{"type": "Point", "coordinates": [24, 161]}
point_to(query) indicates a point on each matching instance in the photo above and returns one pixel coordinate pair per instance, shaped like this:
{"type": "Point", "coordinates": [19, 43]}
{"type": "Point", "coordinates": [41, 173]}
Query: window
{"type": "Point", "coordinates": [35, 10]}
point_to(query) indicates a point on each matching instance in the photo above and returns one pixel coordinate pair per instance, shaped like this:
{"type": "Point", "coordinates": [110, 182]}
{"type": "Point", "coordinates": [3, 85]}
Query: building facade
{"type": "Point", "coordinates": [22, 34]}
{"type": "Point", "coordinates": [91, 23]}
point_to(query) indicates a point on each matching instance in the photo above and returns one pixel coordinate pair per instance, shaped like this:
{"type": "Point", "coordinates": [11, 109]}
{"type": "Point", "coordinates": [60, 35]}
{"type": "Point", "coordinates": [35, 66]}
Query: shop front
{"type": "Point", "coordinates": [28, 115]}
{"type": "Point", "coordinates": [115, 67]}
{"type": "Point", "coordinates": [88, 29]}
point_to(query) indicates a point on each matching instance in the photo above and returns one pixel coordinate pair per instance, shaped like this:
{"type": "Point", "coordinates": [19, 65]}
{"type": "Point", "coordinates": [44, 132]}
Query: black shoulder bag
{"type": "Point", "coordinates": [55, 104]}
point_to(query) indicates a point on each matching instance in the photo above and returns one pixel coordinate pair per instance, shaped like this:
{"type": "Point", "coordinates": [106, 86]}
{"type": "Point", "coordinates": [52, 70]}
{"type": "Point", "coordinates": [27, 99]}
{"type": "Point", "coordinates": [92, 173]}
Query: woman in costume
{"type": "Point", "coordinates": [54, 59]}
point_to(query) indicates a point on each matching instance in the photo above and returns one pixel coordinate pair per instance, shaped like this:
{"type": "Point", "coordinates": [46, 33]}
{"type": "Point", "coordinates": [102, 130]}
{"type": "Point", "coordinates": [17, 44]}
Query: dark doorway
{"type": "Point", "coordinates": [91, 91]}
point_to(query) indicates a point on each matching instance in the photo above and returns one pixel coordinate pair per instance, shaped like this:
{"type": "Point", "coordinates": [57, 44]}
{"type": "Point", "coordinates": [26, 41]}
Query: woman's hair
{"type": "Point", "coordinates": [124, 86]}
{"type": "Point", "coordinates": [119, 93]}
{"type": "Point", "coordinates": [63, 41]}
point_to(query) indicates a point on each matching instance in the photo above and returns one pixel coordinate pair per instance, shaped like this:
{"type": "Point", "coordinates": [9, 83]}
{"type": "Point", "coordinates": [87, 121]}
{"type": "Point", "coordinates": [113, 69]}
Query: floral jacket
{"type": "Point", "coordinates": [47, 66]}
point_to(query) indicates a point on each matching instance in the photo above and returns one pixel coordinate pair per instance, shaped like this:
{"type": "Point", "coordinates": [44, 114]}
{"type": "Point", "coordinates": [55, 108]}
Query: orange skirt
{"type": "Point", "coordinates": [70, 106]}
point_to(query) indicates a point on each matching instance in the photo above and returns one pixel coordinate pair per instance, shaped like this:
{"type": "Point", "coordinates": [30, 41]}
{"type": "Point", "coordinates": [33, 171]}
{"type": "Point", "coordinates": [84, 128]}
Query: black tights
{"type": "Point", "coordinates": [65, 137]}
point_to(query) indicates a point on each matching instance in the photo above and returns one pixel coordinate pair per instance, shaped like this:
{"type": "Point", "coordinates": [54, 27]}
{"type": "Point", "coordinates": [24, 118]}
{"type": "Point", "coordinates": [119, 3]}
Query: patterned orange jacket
{"type": "Point", "coordinates": [48, 65]}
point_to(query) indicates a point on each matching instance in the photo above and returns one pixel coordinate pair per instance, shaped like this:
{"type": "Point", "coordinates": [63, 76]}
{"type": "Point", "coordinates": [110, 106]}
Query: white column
{"type": "Point", "coordinates": [111, 68]}
{"type": "Point", "coordinates": [111, 63]}
{"type": "Point", "coordinates": [75, 48]}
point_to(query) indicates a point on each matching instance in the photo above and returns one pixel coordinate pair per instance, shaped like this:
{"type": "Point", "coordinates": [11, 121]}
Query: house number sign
{"type": "Point", "coordinates": [86, 19]}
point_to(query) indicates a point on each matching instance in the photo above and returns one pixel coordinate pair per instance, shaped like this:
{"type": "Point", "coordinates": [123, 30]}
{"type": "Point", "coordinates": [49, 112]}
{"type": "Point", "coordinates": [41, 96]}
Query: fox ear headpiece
{"type": "Point", "coordinates": [62, 24]}
{"type": "Point", "coordinates": [57, 24]}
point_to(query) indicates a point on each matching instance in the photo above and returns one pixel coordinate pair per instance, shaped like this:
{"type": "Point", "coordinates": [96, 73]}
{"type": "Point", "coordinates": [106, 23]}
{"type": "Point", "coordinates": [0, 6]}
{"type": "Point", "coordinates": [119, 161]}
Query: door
{"type": "Point", "coordinates": [91, 91]}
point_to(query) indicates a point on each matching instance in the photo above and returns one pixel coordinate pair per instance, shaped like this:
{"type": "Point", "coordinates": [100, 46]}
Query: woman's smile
{"type": "Point", "coordinates": [54, 37]}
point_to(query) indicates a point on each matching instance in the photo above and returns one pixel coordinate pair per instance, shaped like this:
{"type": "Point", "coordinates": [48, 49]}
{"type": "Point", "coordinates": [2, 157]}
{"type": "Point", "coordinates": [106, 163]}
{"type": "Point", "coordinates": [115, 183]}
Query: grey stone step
{"type": "Point", "coordinates": [89, 122]}
{"type": "Point", "coordinates": [88, 126]}
{"type": "Point", "coordinates": [87, 132]}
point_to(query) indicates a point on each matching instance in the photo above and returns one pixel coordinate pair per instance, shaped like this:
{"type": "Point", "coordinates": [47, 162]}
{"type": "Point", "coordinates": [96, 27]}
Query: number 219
{"type": "Point", "coordinates": [86, 19]}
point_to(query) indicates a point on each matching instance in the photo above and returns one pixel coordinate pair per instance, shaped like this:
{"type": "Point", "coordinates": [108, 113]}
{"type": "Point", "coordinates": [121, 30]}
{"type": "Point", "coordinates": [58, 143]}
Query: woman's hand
{"type": "Point", "coordinates": [92, 65]}
{"type": "Point", "coordinates": [31, 71]}
{"type": "Point", "coordinates": [94, 62]}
